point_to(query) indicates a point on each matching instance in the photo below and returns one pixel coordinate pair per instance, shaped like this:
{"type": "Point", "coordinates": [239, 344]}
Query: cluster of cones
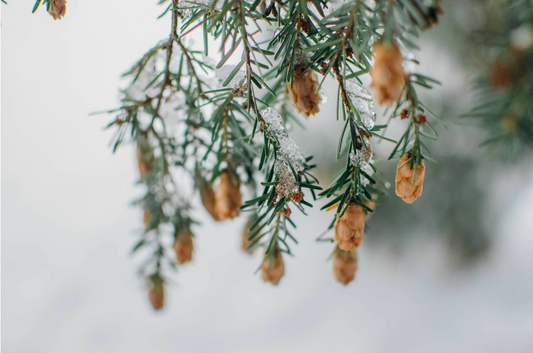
{"type": "Point", "coordinates": [223, 202]}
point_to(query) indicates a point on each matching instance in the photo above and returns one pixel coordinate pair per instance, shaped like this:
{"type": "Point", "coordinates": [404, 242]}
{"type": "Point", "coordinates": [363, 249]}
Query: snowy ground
{"type": "Point", "coordinates": [68, 284]}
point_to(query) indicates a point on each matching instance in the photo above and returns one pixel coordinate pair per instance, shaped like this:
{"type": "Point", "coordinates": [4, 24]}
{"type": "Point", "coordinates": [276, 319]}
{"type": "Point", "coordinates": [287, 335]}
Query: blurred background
{"type": "Point", "coordinates": [451, 273]}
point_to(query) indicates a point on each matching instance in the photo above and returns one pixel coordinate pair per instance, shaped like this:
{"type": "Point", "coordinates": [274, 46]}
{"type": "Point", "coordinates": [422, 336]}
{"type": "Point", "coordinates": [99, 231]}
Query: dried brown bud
{"type": "Point", "coordinates": [286, 212]}
{"type": "Point", "coordinates": [57, 8]}
{"type": "Point", "coordinates": [344, 266]}
{"type": "Point", "coordinates": [297, 196]}
{"type": "Point", "coordinates": [405, 188]}
{"type": "Point", "coordinates": [156, 292]}
{"type": "Point", "coordinates": [420, 119]}
{"type": "Point", "coordinates": [228, 196]}
{"type": "Point", "coordinates": [404, 114]}
{"type": "Point", "coordinates": [240, 91]}
{"type": "Point", "coordinates": [388, 76]}
{"type": "Point", "coordinates": [349, 51]}
{"type": "Point", "coordinates": [305, 25]}
{"type": "Point", "coordinates": [183, 246]}
{"type": "Point", "coordinates": [349, 229]}
{"type": "Point", "coordinates": [272, 268]}
{"type": "Point", "coordinates": [303, 91]}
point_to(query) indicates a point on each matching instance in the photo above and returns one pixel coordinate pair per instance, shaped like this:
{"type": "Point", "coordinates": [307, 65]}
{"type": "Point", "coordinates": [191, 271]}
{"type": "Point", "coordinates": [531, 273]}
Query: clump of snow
{"type": "Point", "coordinates": [362, 100]}
{"type": "Point", "coordinates": [223, 73]}
{"type": "Point", "coordinates": [288, 152]}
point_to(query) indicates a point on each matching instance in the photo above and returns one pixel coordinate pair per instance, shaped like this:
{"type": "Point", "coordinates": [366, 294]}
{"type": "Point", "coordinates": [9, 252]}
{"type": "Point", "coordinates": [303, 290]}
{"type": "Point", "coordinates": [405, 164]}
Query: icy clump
{"type": "Point", "coordinates": [223, 73]}
{"type": "Point", "coordinates": [359, 161]}
{"type": "Point", "coordinates": [365, 167]}
{"type": "Point", "coordinates": [302, 58]}
{"type": "Point", "coordinates": [362, 100]}
{"type": "Point", "coordinates": [288, 152]}
{"type": "Point", "coordinates": [139, 89]}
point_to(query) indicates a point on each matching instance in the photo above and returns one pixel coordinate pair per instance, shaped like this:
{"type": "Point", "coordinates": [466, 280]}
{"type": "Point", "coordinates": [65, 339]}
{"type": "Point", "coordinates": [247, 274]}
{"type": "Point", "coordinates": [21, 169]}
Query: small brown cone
{"type": "Point", "coordinates": [208, 199]}
{"type": "Point", "coordinates": [184, 246]}
{"type": "Point", "coordinates": [57, 9]}
{"type": "Point", "coordinates": [273, 269]}
{"type": "Point", "coordinates": [228, 196]}
{"type": "Point", "coordinates": [388, 76]}
{"type": "Point", "coordinates": [405, 188]}
{"type": "Point", "coordinates": [349, 229]}
{"type": "Point", "coordinates": [303, 91]}
{"type": "Point", "coordinates": [344, 266]}
{"type": "Point", "coordinates": [156, 292]}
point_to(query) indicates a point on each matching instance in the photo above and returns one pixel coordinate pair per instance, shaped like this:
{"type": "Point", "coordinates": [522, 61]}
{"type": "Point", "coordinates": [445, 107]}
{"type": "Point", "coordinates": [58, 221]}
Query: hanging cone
{"type": "Point", "coordinates": [183, 246]}
{"type": "Point", "coordinates": [57, 9]}
{"type": "Point", "coordinates": [388, 76]}
{"type": "Point", "coordinates": [405, 188]}
{"type": "Point", "coordinates": [273, 269]}
{"type": "Point", "coordinates": [344, 265]}
{"type": "Point", "coordinates": [350, 227]}
{"type": "Point", "coordinates": [156, 291]}
{"type": "Point", "coordinates": [303, 91]}
{"type": "Point", "coordinates": [228, 196]}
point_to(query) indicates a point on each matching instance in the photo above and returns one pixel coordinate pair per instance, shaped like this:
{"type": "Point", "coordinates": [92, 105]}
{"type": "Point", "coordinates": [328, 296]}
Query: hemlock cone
{"type": "Point", "coordinates": [184, 246]}
{"type": "Point", "coordinates": [303, 91]}
{"type": "Point", "coordinates": [273, 270]}
{"type": "Point", "coordinates": [408, 190]}
{"type": "Point", "coordinates": [57, 9]}
{"type": "Point", "coordinates": [349, 229]}
{"type": "Point", "coordinates": [388, 76]}
{"type": "Point", "coordinates": [344, 266]}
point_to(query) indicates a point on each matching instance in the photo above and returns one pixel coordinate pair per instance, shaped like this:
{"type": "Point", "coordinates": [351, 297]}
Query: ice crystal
{"type": "Point", "coordinates": [362, 101]}
{"type": "Point", "coordinates": [365, 167]}
{"type": "Point", "coordinates": [288, 152]}
{"type": "Point", "coordinates": [360, 162]}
